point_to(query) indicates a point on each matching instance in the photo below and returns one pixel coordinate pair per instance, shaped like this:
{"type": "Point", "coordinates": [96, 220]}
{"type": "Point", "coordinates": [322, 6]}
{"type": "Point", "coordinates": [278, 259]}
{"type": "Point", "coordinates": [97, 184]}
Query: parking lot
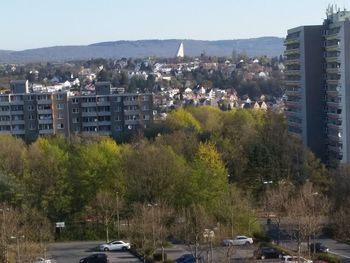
{"type": "Point", "coordinates": [72, 252]}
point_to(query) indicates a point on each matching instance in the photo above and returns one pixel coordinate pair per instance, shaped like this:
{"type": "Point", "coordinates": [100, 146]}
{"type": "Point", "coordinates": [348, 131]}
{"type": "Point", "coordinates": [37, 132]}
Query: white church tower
{"type": "Point", "coordinates": [180, 51]}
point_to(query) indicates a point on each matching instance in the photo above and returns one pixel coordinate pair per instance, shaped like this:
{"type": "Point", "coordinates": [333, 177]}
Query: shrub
{"type": "Point", "coordinates": [158, 256]}
{"type": "Point", "coordinates": [330, 258]}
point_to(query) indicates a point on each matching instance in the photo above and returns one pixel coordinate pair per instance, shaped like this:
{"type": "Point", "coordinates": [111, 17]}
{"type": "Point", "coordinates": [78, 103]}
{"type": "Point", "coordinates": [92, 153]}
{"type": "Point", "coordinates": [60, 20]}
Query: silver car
{"type": "Point", "coordinates": [115, 245]}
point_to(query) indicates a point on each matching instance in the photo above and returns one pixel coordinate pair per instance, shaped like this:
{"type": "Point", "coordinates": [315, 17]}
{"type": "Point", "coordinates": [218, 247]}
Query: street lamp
{"type": "Point", "coordinates": [4, 241]}
{"type": "Point", "coordinates": [18, 252]}
{"type": "Point", "coordinates": [209, 236]}
{"type": "Point", "coordinates": [153, 226]}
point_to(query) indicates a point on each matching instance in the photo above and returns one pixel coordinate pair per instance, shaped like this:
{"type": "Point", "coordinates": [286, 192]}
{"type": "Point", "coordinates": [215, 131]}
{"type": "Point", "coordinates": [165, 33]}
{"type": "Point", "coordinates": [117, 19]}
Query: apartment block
{"type": "Point", "coordinates": [317, 82]}
{"type": "Point", "coordinates": [29, 115]}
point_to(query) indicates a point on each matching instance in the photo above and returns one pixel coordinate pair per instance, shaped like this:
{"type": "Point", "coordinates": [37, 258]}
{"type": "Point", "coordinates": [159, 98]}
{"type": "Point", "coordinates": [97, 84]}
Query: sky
{"type": "Point", "coordinates": [27, 24]}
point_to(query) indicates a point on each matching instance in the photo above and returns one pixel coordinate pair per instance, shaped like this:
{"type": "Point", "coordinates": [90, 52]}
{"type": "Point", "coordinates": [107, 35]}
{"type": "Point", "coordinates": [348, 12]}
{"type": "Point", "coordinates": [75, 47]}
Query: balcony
{"type": "Point", "coordinates": [289, 41]}
{"type": "Point", "coordinates": [103, 103]}
{"type": "Point", "coordinates": [292, 82]}
{"type": "Point", "coordinates": [293, 72]}
{"type": "Point", "coordinates": [333, 81]}
{"type": "Point", "coordinates": [333, 93]}
{"type": "Point", "coordinates": [332, 36]}
{"type": "Point", "coordinates": [292, 61]}
{"type": "Point", "coordinates": [293, 103]}
{"type": "Point", "coordinates": [334, 126]}
{"type": "Point", "coordinates": [4, 103]}
{"type": "Point", "coordinates": [334, 104]}
{"type": "Point", "coordinates": [131, 112]}
{"type": "Point", "coordinates": [104, 123]}
{"type": "Point", "coordinates": [48, 111]}
{"type": "Point", "coordinates": [130, 102]}
{"type": "Point", "coordinates": [89, 114]}
{"type": "Point", "coordinates": [89, 124]}
{"type": "Point", "coordinates": [17, 112]}
{"type": "Point", "coordinates": [333, 115]}
{"type": "Point", "coordinates": [17, 122]}
{"type": "Point", "coordinates": [292, 113]}
{"type": "Point", "coordinates": [333, 70]}
{"type": "Point", "coordinates": [45, 121]}
{"type": "Point", "coordinates": [44, 102]}
{"type": "Point", "coordinates": [293, 93]}
{"type": "Point", "coordinates": [104, 113]}
{"type": "Point", "coordinates": [88, 104]}
{"type": "Point", "coordinates": [332, 59]}
{"type": "Point", "coordinates": [5, 113]}
{"type": "Point", "coordinates": [332, 48]}
{"type": "Point", "coordinates": [335, 149]}
{"type": "Point", "coordinates": [131, 122]}
{"type": "Point", "coordinates": [292, 51]}
{"type": "Point", "coordinates": [43, 132]}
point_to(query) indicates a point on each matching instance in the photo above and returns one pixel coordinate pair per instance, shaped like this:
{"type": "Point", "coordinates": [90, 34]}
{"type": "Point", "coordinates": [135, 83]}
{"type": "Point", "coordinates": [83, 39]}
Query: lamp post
{"type": "Point", "coordinates": [18, 250]}
{"type": "Point", "coordinates": [118, 220]}
{"type": "Point", "coordinates": [153, 226]}
{"type": "Point", "coordinates": [313, 214]}
{"type": "Point", "coordinates": [3, 230]}
{"type": "Point", "coordinates": [209, 236]}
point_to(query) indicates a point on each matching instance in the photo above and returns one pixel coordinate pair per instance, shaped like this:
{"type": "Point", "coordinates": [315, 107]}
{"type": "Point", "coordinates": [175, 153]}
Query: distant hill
{"type": "Point", "coordinates": [269, 46]}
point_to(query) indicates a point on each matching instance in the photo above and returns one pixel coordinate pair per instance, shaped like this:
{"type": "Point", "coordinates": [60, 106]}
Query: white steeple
{"type": "Point", "coordinates": [180, 52]}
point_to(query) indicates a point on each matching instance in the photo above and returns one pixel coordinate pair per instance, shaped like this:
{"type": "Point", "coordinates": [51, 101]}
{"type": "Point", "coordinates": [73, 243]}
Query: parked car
{"type": "Point", "coordinates": [42, 260]}
{"type": "Point", "coordinates": [188, 258]}
{"type": "Point", "coordinates": [318, 248]}
{"type": "Point", "coordinates": [115, 245]}
{"type": "Point", "coordinates": [267, 253]}
{"type": "Point", "coordinates": [95, 258]}
{"type": "Point", "coordinates": [238, 241]}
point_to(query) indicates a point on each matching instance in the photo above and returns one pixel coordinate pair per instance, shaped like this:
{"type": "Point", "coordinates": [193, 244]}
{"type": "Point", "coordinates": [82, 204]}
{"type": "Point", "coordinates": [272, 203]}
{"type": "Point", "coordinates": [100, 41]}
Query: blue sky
{"type": "Point", "coordinates": [39, 23]}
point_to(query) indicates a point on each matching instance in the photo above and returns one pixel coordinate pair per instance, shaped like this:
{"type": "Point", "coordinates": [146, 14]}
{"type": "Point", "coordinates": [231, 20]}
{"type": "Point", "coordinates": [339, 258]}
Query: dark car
{"type": "Point", "coordinates": [318, 248]}
{"type": "Point", "coordinates": [188, 258]}
{"type": "Point", "coordinates": [95, 258]}
{"type": "Point", "coordinates": [268, 252]}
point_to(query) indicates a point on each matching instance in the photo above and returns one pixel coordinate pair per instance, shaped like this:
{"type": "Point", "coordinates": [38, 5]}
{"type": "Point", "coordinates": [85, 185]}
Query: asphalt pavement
{"type": "Point", "coordinates": [72, 252]}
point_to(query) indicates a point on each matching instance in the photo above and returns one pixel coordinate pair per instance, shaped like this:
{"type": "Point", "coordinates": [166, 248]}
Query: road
{"type": "Point", "coordinates": [340, 249]}
{"type": "Point", "coordinates": [72, 252]}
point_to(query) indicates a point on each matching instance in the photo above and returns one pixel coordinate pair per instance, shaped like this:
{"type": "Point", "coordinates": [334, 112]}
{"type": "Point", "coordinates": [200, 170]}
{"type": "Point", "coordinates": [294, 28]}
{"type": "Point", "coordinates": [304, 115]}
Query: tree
{"type": "Point", "coordinates": [104, 208]}
{"type": "Point", "coordinates": [182, 119]}
{"type": "Point", "coordinates": [47, 183]}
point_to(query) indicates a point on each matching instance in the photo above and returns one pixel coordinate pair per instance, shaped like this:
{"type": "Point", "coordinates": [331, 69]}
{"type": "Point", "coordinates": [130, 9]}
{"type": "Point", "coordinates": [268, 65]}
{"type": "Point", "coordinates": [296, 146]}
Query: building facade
{"type": "Point", "coordinates": [317, 82]}
{"type": "Point", "coordinates": [29, 115]}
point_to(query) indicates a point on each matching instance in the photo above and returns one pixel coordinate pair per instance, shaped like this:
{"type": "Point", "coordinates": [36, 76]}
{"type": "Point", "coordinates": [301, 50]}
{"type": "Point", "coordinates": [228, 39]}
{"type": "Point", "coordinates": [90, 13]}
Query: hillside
{"type": "Point", "coordinates": [270, 46]}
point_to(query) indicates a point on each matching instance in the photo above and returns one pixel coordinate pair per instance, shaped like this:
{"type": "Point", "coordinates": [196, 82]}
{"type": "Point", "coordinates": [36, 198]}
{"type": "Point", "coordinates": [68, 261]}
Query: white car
{"type": "Point", "coordinates": [115, 245]}
{"type": "Point", "coordinates": [42, 260]}
{"type": "Point", "coordinates": [294, 259]}
{"type": "Point", "coordinates": [238, 241]}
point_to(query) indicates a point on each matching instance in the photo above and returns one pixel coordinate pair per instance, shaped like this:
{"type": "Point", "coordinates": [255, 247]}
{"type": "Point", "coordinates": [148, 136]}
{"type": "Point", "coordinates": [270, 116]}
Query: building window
{"type": "Point", "coordinates": [60, 126]}
{"type": "Point", "coordinates": [75, 110]}
{"type": "Point", "coordinates": [31, 117]}
{"type": "Point", "coordinates": [30, 97]}
{"type": "Point", "coordinates": [59, 97]}
{"type": "Point", "coordinates": [118, 128]}
{"type": "Point", "coordinates": [60, 106]}
{"type": "Point", "coordinates": [145, 107]}
{"type": "Point", "coordinates": [75, 100]}
{"type": "Point", "coordinates": [31, 107]}
{"type": "Point", "coordinates": [60, 116]}
{"type": "Point", "coordinates": [118, 118]}
{"type": "Point", "coordinates": [32, 127]}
